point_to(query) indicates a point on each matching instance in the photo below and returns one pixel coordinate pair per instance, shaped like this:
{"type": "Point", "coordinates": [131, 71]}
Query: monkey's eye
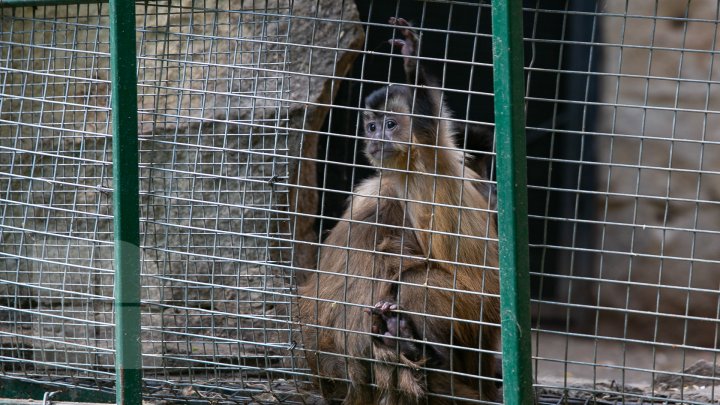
{"type": "Point", "coordinates": [371, 127]}
{"type": "Point", "coordinates": [390, 124]}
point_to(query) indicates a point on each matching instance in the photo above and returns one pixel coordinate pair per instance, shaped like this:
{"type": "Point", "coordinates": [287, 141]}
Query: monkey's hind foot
{"type": "Point", "coordinates": [395, 329]}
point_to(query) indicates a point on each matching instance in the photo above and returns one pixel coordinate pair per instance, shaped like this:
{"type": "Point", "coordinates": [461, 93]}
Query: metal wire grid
{"type": "Point", "coordinates": [192, 224]}
{"type": "Point", "coordinates": [341, 158]}
{"type": "Point", "coordinates": [55, 227]}
{"type": "Point", "coordinates": [213, 97]}
{"type": "Point", "coordinates": [583, 353]}
{"type": "Point", "coordinates": [639, 307]}
{"type": "Point", "coordinates": [214, 169]}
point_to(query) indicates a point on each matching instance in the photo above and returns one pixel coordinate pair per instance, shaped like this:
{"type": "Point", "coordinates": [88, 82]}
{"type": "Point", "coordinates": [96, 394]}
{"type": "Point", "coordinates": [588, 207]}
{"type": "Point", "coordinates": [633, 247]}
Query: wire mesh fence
{"type": "Point", "coordinates": [56, 219]}
{"type": "Point", "coordinates": [637, 319]}
{"type": "Point", "coordinates": [254, 174]}
{"type": "Point", "coordinates": [216, 286]}
{"type": "Point", "coordinates": [213, 146]}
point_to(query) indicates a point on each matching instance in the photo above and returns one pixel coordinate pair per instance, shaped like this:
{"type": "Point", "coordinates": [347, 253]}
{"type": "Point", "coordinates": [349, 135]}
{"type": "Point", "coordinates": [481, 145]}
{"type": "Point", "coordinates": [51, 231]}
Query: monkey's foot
{"type": "Point", "coordinates": [395, 329]}
{"type": "Point", "coordinates": [408, 46]}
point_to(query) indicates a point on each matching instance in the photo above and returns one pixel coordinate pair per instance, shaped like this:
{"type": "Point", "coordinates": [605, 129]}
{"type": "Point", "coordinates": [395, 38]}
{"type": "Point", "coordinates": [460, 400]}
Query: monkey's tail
{"type": "Point", "coordinates": [399, 380]}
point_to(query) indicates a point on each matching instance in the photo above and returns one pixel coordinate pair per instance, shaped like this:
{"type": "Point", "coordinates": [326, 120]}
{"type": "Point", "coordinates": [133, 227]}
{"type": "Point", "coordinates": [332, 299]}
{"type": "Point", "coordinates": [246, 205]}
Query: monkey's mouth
{"type": "Point", "coordinates": [379, 150]}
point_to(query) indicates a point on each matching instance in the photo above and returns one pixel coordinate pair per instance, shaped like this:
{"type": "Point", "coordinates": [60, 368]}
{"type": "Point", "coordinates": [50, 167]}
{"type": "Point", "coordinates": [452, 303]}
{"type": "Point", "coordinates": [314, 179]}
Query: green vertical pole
{"type": "Point", "coordinates": [509, 89]}
{"type": "Point", "coordinates": [128, 360]}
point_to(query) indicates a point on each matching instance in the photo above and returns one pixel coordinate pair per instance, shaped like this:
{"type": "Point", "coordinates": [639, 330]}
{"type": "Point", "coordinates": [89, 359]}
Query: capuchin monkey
{"type": "Point", "coordinates": [403, 307]}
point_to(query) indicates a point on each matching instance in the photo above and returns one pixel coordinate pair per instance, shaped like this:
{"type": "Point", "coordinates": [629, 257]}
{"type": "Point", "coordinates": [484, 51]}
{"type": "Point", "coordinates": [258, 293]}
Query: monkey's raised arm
{"type": "Point", "coordinates": [409, 46]}
{"type": "Point", "coordinates": [428, 99]}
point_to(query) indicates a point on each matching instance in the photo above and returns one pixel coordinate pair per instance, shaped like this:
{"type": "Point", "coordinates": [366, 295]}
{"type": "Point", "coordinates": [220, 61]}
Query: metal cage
{"type": "Point", "coordinates": [249, 149]}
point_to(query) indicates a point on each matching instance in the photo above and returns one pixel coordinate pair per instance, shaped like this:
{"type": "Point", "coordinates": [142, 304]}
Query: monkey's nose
{"type": "Point", "coordinates": [375, 149]}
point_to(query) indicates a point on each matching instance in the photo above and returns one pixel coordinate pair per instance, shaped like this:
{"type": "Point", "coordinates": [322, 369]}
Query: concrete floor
{"type": "Point", "coordinates": [606, 360]}
{"type": "Point", "coordinates": [613, 366]}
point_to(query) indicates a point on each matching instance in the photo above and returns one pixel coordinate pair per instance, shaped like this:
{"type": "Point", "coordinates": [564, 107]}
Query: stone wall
{"type": "Point", "coordinates": [227, 100]}
{"type": "Point", "coordinates": [661, 169]}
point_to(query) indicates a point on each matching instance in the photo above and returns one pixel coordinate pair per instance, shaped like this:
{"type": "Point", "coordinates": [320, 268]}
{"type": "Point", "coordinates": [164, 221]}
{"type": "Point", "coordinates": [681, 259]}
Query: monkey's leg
{"type": "Point", "coordinates": [443, 311]}
{"type": "Point", "coordinates": [398, 336]}
{"type": "Point", "coordinates": [396, 369]}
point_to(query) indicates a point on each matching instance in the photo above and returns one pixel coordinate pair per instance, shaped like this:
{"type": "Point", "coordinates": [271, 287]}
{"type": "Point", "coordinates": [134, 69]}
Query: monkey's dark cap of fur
{"type": "Point", "coordinates": [379, 99]}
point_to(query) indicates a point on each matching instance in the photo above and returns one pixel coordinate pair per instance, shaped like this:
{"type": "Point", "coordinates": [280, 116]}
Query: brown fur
{"type": "Point", "coordinates": [409, 236]}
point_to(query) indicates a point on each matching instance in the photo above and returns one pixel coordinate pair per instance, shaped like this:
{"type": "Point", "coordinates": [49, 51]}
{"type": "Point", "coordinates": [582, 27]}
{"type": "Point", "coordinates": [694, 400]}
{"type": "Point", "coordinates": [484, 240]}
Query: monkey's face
{"type": "Point", "coordinates": [387, 139]}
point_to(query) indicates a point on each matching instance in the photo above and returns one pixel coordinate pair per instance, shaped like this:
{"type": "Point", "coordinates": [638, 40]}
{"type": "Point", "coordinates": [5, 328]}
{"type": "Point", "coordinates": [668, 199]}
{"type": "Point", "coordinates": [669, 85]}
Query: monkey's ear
{"type": "Point", "coordinates": [480, 137]}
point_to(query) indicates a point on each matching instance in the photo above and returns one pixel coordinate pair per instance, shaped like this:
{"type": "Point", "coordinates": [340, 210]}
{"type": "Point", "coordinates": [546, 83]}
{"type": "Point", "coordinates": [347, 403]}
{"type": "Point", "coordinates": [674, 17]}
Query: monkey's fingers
{"type": "Point", "coordinates": [383, 313]}
{"type": "Point", "coordinates": [399, 21]}
{"type": "Point", "coordinates": [408, 46]}
{"type": "Point", "coordinates": [399, 43]}
{"type": "Point", "coordinates": [386, 306]}
{"type": "Point", "coordinates": [406, 49]}
{"type": "Point", "coordinates": [408, 33]}
{"type": "Point", "coordinates": [378, 325]}
{"type": "Point", "coordinates": [381, 309]}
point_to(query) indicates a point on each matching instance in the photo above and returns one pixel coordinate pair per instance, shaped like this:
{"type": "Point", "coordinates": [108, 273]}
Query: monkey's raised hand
{"type": "Point", "coordinates": [409, 45]}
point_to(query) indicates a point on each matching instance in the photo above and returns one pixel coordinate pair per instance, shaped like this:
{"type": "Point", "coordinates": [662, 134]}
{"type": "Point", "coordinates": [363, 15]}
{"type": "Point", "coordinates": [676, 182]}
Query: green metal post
{"type": "Point", "coordinates": [509, 89]}
{"type": "Point", "coordinates": [123, 65]}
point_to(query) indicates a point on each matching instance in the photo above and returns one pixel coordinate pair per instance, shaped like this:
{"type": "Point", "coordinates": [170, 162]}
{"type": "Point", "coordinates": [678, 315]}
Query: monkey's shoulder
{"type": "Point", "coordinates": [376, 202]}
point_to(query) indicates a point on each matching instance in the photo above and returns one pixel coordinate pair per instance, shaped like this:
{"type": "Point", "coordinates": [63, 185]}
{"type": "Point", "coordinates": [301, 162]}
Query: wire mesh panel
{"type": "Point", "coordinates": [620, 153]}
{"type": "Point", "coordinates": [56, 225]}
{"type": "Point", "coordinates": [213, 103]}
{"type": "Point", "coordinates": [628, 288]}
{"type": "Point", "coordinates": [213, 118]}
{"type": "Point", "coordinates": [264, 185]}
{"type": "Point", "coordinates": [400, 303]}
